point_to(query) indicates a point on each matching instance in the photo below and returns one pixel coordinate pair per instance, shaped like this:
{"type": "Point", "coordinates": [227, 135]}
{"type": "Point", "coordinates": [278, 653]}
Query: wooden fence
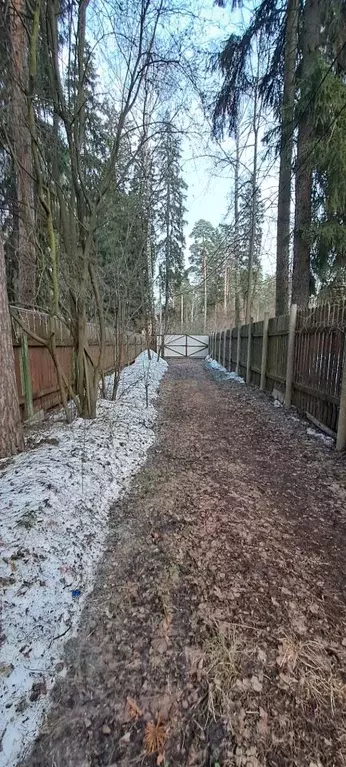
{"type": "Point", "coordinates": [35, 371]}
{"type": "Point", "coordinates": [302, 356]}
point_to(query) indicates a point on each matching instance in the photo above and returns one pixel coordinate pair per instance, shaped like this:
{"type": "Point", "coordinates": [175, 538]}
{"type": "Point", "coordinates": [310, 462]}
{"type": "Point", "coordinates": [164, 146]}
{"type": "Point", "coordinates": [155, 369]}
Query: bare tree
{"type": "Point", "coordinates": [71, 206]}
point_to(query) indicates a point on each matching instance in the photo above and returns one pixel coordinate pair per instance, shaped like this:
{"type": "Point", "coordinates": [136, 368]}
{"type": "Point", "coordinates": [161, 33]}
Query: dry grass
{"type": "Point", "coordinates": [155, 737]}
{"type": "Point", "coordinates": [223, 653]}
{"type": "Point", "coordinates": [307, 667]}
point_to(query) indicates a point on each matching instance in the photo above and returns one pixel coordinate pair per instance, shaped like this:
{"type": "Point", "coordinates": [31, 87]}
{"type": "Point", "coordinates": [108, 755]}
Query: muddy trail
{"type": "Point", "coordinates": [216, 631]}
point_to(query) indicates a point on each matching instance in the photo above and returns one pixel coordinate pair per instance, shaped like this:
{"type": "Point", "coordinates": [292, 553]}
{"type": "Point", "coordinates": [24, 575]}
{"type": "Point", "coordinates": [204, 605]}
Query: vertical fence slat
{"type": "Point", "coordinates": [264, 351]}
{"type": "Point", "coordinates": [341, 433]}
{"type": "Point", "coordinates": [238, 350]}
{"type": "Point", "coordinates": [290, 355]}
{"type": "Point", "coordinates": [248, 352]}
{"type": "Point", "coordinates": [26, 377]}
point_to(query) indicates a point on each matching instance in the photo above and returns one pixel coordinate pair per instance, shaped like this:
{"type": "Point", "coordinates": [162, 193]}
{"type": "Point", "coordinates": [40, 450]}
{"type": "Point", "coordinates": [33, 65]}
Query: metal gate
{"type": "Point", "coordinates": [184, 346]}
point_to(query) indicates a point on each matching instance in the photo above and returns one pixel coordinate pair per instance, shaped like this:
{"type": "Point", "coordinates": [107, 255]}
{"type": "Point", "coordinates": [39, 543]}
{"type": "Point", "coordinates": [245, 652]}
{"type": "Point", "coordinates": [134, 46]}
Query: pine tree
{"type": "Point", "coordinates": [206, 261]}
{"type": "Point", "coordinates": [310, 39]}
{"type": "Point", "coordinates": [243, 244]}
{"type": "Point", "coordinates": [171, 195]}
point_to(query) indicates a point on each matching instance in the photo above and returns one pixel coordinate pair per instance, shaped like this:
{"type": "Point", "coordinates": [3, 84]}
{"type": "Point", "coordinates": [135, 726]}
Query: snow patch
{"type": "Point", "coordinates": [227, 374]}
{"type": "Point", "coordinates": [319, 435]}
{"type": "Point", "coordinates": [54, 504]}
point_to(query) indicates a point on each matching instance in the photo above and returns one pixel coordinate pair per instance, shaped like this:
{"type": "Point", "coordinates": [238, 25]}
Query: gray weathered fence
{"type": "Point", "coordinates": [301, 356]}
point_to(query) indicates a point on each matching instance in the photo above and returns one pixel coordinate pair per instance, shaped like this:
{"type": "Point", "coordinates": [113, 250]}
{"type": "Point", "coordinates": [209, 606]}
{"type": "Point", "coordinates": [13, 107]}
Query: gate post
{"type": "Point", "coordinates": [341, 432]}
{"type": "Point", "coordinates": [238, 350]}
{"type": "Point", "coordinates": [290, 355]}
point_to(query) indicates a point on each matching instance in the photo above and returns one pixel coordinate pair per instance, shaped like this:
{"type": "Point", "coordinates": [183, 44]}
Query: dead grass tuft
{"type": "Point", "coordinates": [308, 668]}
{"type": "Point", "coordinates": [155, 736]}
{"type": "Point", "coordinates": [223, 652]}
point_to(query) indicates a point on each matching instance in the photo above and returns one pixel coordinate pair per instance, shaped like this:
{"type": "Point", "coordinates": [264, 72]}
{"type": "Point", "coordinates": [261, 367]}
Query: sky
{"type": "Point", "coordinates": [210, 183]}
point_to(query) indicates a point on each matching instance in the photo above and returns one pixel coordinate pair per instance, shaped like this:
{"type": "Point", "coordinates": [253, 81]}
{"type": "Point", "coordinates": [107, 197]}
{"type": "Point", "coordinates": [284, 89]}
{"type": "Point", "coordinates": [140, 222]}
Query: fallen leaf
{"type": "Point", "coordinates": [194, 657]}
{"type": "Point", "coordinates": [262, 656]}
{"type": "Point", "coordinates": [159, 644]}
{"type": "Point", "coordinates": [161, 705]}
{"type": "Point", "coordinates": [256, 685]}
{"type": "Point", "coordinates": [262, 725]}
{"type": "Point", "coordinates": [299, 624]}
{"type": "Point", "coordinates": [6, 669]}
{"type": "Point", "coordinates": [134, 710]}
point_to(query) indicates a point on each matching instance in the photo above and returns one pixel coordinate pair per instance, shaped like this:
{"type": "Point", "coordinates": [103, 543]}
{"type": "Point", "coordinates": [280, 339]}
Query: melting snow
{"type": "Point", "coordinates": [319, 435]}
{"type": "Point", "coordinates": [216, 366]}
{"type": "Point", "coordinates": [54, 504]}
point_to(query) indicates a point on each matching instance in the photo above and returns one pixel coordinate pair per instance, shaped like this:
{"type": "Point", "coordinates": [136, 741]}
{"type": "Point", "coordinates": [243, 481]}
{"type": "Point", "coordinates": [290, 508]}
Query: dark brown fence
{"type": "Point", "coordinates": [35, 371]}
{"type": "Point", "coordinates": [313, 362]}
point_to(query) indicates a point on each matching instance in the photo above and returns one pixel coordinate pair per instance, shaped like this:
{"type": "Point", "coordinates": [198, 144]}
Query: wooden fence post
{"type": "Point", "coordinates": [237, 366]}
{"type": "Point", "coordinates": [219, 352]}
{"type": "Point", "coordinates": [25, 376]}
{"type": "Point", "coordinates": [341, 432]}
{"type": "Point", "coordinates": [290, 355]}
{"type": "Point", "coordinates": [248, 353]}
{"type": "Point", "coordinates": [224, 348]}
{"type": "Point", "coordinates": [264, 351]}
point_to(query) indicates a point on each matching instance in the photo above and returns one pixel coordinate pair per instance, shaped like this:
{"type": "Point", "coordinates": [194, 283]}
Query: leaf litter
{"type": "Point", "coordinates": [224, 639]}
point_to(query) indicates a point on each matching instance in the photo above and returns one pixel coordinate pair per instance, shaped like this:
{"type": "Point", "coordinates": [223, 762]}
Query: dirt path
{"type": "Point", "coordinates": [216, 632]}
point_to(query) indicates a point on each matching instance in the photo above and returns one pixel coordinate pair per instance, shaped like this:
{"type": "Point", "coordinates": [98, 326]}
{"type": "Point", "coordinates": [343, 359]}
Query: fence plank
{"type": "Point", "coordinates": [237, 369]}
{"type": "Point", "coordinates": [341, 433]}
{"type": "Point", "coordinates": [264, 351]}
{"type": "Point", "coordinates": [248, 352]}
{"type": "Point", "coordinates": [290, 355]}
{"type": "Point", "coordinates": [25, 376]}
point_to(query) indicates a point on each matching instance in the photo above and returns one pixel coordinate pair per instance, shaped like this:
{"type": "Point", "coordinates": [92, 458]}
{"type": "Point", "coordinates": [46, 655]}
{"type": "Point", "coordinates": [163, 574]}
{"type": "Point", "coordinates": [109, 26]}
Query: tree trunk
{"type": "Point", "coordinates": [11, 433]}
{"type": "Point", "coordinates": [254, 209]}
{"type": "Point", "coordinates": [167, 251]}
{"type": "Point", "coordinates": [25, 240]}
{"type": "Point", "coordinates": [311, 33]}
{"type": "Point", "coordinates": [236, 231]}
{"type": "Point", "coordinates": [286, 152]}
